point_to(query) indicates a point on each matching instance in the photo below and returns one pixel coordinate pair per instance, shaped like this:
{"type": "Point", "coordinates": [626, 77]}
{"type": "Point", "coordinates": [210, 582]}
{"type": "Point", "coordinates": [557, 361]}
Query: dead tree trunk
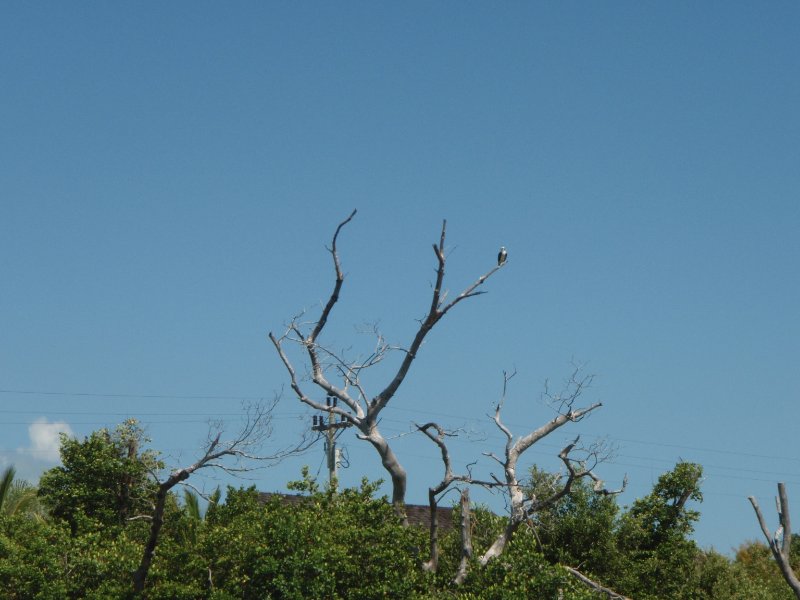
{"type": "Point", "coordinates": [355, 405]}
{"type": "Point", "coordinates": [157, 521]}
{"type": "Point", "coordinates": [394, 468]}
{"type": "Point", "coordinates": [434, 492]}
{"type": "Point", "coordinates": [466, 538]}
{"type": "Point", "coordinates": [255, 430]}
{"type": "Point", "coordinates": [124, 496]}
{"type": "Point", "coordinates": [522, 508]}
{"type": "Point", "coordinates": [781, 542]}
{"type": "Point", "coordinates": [607, 592]}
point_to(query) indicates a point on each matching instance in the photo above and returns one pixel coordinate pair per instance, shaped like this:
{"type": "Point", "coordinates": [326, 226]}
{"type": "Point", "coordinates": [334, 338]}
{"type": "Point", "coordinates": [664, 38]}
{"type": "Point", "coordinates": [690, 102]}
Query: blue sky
{"type": "Point", "coordinates": [171, 174]}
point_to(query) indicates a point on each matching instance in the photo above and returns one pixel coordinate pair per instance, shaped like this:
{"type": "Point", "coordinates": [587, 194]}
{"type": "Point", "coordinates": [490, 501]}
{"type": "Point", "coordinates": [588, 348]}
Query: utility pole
{"type": "Point", "coordinates": [330, 428]}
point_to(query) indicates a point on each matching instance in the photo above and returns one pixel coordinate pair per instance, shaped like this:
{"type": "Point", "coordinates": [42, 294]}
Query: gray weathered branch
{"type": "Point", "coordinates": [255, 430]}
{"type": "Point", "coordinates": [780, 543]}
{"type": "Point", "coordinates": [521, 508]}
{"type": "Point", "coordinates": [466, 538]}
{"type": "Point", "coordinates": [361, 411]}
{"type": "Point", "coordinates": [437, 310]}
{"type": "Point", "coordinates": [433, 492]}
{"type": "Point", "coordinates": [594, 585]}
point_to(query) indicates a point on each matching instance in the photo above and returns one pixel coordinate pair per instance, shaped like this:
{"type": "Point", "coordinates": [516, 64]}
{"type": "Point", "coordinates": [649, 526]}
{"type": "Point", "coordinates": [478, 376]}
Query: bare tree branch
{"type": "Point", "coordinates": [594, 585]}
{"type": "Point", "coordinates": [466, 538]}
{"type": "Point", "coordinates": [338, 285]}
{"type": "Point", "coordinates": [780, 542]}
{"type": "Point", "coordinates": [329, 389]}
{"type": "Point", "coordinates": [433, 492]}
{"type": "Point", "coordinates": [499, 407]}
{"type": "Point", "coordinates": [521, 508]}
{"type": "Point", "coordinates": [254, 431]}
{"type": "Point", "coordinates": [362, 411]}
{"type": "Point", "coordinates": [435, 313]}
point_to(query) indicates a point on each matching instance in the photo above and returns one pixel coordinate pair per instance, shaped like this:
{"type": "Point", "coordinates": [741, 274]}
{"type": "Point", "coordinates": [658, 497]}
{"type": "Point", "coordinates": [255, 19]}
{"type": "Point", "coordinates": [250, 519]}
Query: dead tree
{"type": "Point", "coordinates": [433, 501]}
{"type": "Point", "coordinates": [593, 585]}
{"type": "Point", "coordinates": [466, 538]}
{"type": "Point", "coordinates": [355, 405]}
{"type": "Point", "coordinates": [237, 455]}
{"type": "Point", "coordinates": [522, 508]}
{"type": "Point", "coordinates": [780, 543]}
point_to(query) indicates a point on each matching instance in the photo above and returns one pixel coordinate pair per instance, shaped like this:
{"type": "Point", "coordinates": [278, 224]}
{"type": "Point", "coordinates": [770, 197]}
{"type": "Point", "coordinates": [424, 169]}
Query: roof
{"type": "Point", "coordinates": [418, 515]}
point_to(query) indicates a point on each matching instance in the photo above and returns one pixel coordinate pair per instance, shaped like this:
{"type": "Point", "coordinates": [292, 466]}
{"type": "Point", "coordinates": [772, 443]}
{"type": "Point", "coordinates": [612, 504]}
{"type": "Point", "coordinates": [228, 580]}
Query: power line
{"type": "Point", "coordinates": [138, 396]}
{"type": "Point", "coordinates": [388, 408]}
{"type": "Point", "coordinates": [491, 435]}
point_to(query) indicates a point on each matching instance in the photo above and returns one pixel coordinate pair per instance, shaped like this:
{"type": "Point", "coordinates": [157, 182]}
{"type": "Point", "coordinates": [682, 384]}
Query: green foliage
{"type": "Point", "coordinates": [191, 505]}
{"type": "Point", "coordinates": [18, 496]}
{"type": "Point", "coordinates": [306, 485]}
{"type": "Point", "coordinates": [755, 563]}
{"type": "Point", "coordinates": [579, 529]}
{"type": "Point", "coordinates": [662, 516]}
{"type": "Point", "coordinates": [192, 517]}
{"type": "Point", "coordinates": [718, 578]}
{"type": "Point", "coordinates": [653, 536]}
{"type": "Point", "coordinates": [103, 480]}
{"type": "Point", "coordinates": [522, 572]}
{"type": "Point", "coordinates": [44, 560]}
{"type": "Point", "coordinates": [644, 552]}
{"type": "Point", "coordinates": [326, 543]}
{"type": "Point", "coordinates": [99, 565]}
{"type": "Point", "coordinates": [32, 558]}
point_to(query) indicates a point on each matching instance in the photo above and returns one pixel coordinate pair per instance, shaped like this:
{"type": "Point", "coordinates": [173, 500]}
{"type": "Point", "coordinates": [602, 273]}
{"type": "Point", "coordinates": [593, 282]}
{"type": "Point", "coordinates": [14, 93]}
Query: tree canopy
{"type": "Point", "coordinates": [350, 543]}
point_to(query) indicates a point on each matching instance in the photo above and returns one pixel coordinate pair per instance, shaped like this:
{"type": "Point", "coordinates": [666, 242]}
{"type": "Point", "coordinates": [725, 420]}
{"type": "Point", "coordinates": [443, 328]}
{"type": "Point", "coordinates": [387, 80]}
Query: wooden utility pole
{"type": "Point", "coordinates": [330, 428]}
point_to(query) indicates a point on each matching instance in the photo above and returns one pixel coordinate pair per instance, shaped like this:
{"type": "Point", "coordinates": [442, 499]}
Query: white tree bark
{"type": "Point", "coordinates": [359, 409]}
{"type": "Point", "coordinates": [780, 542]}
{"type": "Point", "coordinates": [522, 508]}
{"type": "Point", "coordinates": [434, 492]}
{"type": "Point", "coordinates": [466, 538]}
{"type": "Point", "coordinates": [607, 592]}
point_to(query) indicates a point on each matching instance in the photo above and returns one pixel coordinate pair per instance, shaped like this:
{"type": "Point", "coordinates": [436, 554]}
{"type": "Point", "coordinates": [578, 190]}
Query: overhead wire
{"type": "Point", "coordinates": [493, 435]}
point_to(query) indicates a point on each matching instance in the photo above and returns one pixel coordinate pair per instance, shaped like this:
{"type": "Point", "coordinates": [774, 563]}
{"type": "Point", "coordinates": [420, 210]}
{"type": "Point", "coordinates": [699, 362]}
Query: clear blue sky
{"type": "Point", "coordinates": [170, 174]}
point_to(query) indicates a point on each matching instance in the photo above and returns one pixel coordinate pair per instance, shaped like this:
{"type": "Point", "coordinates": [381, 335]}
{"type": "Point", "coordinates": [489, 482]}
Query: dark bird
{"type": "Point", "coordinates": [502, 256]}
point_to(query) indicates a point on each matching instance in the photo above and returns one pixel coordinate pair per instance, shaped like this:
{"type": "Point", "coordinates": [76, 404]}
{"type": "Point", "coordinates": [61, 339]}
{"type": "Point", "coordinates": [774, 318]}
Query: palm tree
{"type": "Point", "coordinates": [191, 506]}
{"type": "Point", "coordinates": [18, 497]}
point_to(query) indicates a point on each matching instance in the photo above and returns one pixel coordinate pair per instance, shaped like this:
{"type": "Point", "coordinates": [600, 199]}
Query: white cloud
{"type": "Point", "coordinates": [45, 440]}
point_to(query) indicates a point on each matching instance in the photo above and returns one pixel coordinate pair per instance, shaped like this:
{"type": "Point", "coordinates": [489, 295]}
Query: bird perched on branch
{"type": "Point", "coordinates": [502, 256]}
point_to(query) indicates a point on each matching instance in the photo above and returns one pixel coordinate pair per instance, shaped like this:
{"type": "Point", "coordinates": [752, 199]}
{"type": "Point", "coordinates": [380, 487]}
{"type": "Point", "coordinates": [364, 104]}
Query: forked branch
{"type": "Point", "coordinates": [437, 310]}
{"type": "Point", "coordinates": [257, 427]}
{"type": "Point", "coordinates": [323, 319]}
{"type": "Point", "coordinates": [359, 409]}
{"type": "Point", "coordinates": [780, 542]}
{"type": "Point", "coordinates": [433, 495]}
{"type": "Point", "coordinates": [523, 508]}
{"type": "Point", "coordinates": [607, 592]}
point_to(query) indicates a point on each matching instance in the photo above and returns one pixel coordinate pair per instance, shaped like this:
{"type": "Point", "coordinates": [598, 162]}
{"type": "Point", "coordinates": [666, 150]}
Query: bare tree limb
{"type": "Point", "coordinates": [594, 585]}
{"type": "Point", "coordinates": [254, 431]}
{"type": "Point", "coordinates": [323, 383]}
{"type": "Point", "coordinates": [362, 411]}
{"type": "Point", "coordinates": [435, 313]}
{"type": "Point", "coordinates": [780, 542]}
{"type": "Point", "coordinates": [521, 508]}
{"type": "Point", "coordinates": [466, 538]}
{"type": "Point", "coordinates": [433, 492]}
{"type": "Point", "coordinates": [337, 286]}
